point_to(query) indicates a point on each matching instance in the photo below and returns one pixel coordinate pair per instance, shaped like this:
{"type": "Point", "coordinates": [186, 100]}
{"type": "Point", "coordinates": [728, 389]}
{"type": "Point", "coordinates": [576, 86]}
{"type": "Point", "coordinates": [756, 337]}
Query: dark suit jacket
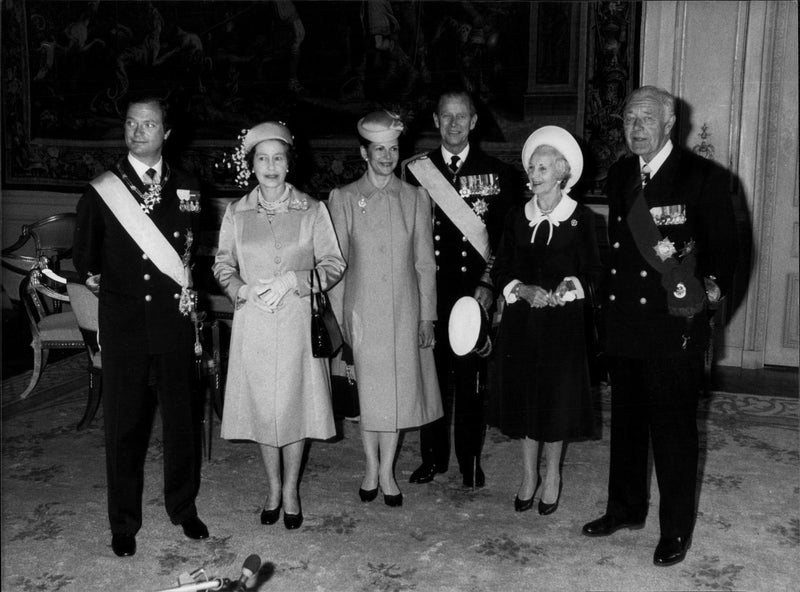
{"type": "Point", "coordinates": [638, 323]}
{"type": "Point", "coordinates": [138, 304]}
{"type": "Point", "coordinates": [459, 266]}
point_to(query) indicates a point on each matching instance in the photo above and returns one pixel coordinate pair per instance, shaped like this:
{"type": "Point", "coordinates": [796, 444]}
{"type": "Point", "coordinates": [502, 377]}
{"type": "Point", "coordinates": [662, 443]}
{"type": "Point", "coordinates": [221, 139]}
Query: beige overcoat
{"type": "Point", "coordinates": [389, 287]}
{"type": "Point", "coordinates": [276, 392]}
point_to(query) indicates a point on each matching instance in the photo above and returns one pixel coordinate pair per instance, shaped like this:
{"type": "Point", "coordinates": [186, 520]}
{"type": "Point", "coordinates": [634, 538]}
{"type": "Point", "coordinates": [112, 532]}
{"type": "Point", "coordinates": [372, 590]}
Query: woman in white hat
{"type": "Point", "coordinates": [547, 258]}
{"type": "Point", "coordinates": [386, 302]}
{"type": "Point", "coordinates": [277, 394]}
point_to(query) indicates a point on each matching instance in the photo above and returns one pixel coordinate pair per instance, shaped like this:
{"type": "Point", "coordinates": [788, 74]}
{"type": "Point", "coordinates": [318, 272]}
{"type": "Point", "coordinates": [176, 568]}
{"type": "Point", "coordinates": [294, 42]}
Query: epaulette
{"type": "Point", "coordinates": [408, 161]}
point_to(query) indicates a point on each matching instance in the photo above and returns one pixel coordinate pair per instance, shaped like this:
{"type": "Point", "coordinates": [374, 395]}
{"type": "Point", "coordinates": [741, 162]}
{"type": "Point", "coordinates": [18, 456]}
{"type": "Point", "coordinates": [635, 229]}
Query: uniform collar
{"type": "Point", "coordinates": [447, 155]}
{"type": "Point", "coordinates": [658, 160]}
{"type": "Point", "coordinates": [141, 168]}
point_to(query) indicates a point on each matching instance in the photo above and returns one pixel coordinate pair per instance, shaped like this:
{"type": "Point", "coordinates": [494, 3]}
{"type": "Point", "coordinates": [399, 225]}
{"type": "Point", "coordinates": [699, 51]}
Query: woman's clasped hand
{"type": "Point", "coordinates": [538, 297]}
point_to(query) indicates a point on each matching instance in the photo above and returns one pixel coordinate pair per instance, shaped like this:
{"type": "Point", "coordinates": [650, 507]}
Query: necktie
{"type": "Point", "coordinates": [454, 163]}
{"type": "Point", "coordinates": [151, 174]}
{"type": "Point", "coordinates": [645, 175]}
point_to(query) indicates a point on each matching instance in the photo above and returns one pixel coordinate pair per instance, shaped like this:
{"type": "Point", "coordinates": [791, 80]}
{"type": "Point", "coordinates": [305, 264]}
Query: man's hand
{"type": "Point", "coordinates": [484, 296]}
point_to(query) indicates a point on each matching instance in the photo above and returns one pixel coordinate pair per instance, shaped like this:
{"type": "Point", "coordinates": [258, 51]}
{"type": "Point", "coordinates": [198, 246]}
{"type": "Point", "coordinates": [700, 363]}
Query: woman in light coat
{"type": "Point", "coordinates": [386, 302]}
{"type": "Point", "coordinates": [277, 394]}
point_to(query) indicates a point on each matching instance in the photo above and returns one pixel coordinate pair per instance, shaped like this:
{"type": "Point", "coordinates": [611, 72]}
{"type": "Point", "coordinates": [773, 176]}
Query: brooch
{"type": "Point", "coordinates": [665, 249]}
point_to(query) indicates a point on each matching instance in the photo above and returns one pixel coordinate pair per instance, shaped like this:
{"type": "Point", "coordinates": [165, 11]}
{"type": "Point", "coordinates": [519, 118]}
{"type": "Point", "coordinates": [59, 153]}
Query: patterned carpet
{"type": "Point", "coordinates": [444, 538]}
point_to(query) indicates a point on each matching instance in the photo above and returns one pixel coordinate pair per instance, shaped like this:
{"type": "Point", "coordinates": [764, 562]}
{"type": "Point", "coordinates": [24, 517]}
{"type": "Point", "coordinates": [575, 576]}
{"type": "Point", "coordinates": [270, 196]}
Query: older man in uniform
{"type": "Point", "coordinates": [134, 233]}
{"type": "Point", "coordinates": [673, 250]}
{"type": "Point", "coordinates": [472, 193]}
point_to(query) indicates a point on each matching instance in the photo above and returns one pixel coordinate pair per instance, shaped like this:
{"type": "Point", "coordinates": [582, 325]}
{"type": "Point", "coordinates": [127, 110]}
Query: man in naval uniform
{"type": "Point", "coordinates": [472, 192]}
{"type": "Point", "coordinates": [673, 251]}
{"type": "Point", "coordinates": [133, 235]}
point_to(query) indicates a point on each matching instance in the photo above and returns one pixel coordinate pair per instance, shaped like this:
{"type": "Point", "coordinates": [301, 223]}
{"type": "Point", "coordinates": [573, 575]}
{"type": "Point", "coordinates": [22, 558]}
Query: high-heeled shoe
{"type": "Point", "coordinates": [545, 509]}
{"type": "Point", "coordinates": [393, 501]}
{"type": "Point", "coordinates": [523, 505]}
{"type": "Point", "coordinates": [271, 516]}
{"type": "Point", "coordinates": [367, 495]}
{"type": "Point", "coordinates": [292, 521]}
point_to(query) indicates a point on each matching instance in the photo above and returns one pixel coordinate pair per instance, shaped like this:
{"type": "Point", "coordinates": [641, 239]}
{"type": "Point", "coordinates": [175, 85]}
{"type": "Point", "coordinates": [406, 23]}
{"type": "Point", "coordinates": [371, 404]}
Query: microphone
{"type": "Point", "coordinates": [250, 567]}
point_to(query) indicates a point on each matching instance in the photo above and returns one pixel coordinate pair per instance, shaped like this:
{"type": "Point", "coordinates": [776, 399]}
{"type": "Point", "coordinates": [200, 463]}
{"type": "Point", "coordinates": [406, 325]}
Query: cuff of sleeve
{"type": "Point", "coordinates": [579, 293]}
{"type": "Point", "coordinates": [508, 291]}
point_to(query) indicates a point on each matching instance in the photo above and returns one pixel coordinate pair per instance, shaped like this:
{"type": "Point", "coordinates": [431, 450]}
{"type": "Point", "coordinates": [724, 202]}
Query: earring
{"type": "Point", "coordinates": [528, 185]}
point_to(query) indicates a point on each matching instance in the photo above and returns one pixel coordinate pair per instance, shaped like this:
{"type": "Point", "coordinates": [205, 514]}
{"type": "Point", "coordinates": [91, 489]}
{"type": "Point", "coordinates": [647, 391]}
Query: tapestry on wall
{"type": "Point", "coordinates": [69, 68]}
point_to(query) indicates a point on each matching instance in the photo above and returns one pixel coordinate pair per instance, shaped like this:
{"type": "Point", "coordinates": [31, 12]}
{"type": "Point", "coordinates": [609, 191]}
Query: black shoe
{"type": "Point", "coordinates": [521, 505]}
{"type": "Point", "coordinates": [124, 545]}
{"type": "Point", "coordinates": [271, 516]}
{"type": "Point", "coordinates": [393, 501]}
{"type": "Point", "coordinates": [546, 509]}
{"type": "Point", "coordinates": [292, 521]}
{"type": "Point", "coordinates": [424, 473]}
{"type": "Point", "coordinates": [194, 528]}
{"type": "Point", "coordinates": [671, 550]}
{"type": "Point", "coordinates": [367, 495]}
{"type": "Point", "coordinates": [608, 524]}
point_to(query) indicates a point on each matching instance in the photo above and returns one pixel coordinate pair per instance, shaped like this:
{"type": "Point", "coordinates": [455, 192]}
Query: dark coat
{"type": "Point", "coordinates": [459, 267]}
{"type": "Point", "coordinates": [138, 304]}
{"type": "Point", "coordinates": [638, 323]}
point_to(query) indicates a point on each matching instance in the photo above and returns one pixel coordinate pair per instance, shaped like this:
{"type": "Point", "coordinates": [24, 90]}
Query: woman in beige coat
{"type": "Point", "coordinates": [277, 394]}
{"type": "Point", "coordinates": [386, 302]}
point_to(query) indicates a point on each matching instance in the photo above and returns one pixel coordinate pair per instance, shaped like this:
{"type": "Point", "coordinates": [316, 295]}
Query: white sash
{"type": "Point", "coordinates": [141, 228]}
{"type": "Point", "coordinates": [452, 204]}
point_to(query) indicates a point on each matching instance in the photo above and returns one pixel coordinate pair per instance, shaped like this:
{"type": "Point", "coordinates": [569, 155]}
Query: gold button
{"type": "Point", "coordinates": [619, 218]}
{"type": "Point", "coordinates": [146, 277]}
{"type": "Point", "coordinates": [148, 298]}
{"type": "Point", "coordinates": [643, 273]}
{"type": "Point", "coordinates": [642, 300]}
{"type": "Point", "coordinates": [436, 253]}
{"type": "Point", "coordinates": [277, 259]}
{"type": "Point", "coordinates": [437, 237]}
{"type": "Point", "coordinates": [463, 239]}
{"type": "Point", "coordinates": [438, 222]}
{"type": "Point", "coordinates": [612, 297]}
{"type": "Point", "coordinates": [278, 245]}
{"type": "Point", "coordinates": [176, 296]}
{"type": "Point", "coordinates": [613, 271]}
{"type": "Point", "coordinates": [463, 269]}
{"type": "Point", "coordinates": [616, 245]}
{"type": "Point", "coordinates": [176, 234]}
{"type": "Point", "coordinates": [463, 253]}
{"type": "Point", "coordinates": [144, 256]}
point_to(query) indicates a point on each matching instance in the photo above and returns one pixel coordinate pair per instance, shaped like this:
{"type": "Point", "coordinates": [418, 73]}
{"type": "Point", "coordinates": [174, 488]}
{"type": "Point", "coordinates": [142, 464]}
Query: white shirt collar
{"type": "Point", "coordinates": [447, 155]}
{"type": "Point", "coordinates": [562, 212]}
{"type": "Point", "coordinates": [656, 162]}
{"type": "Point", "coordinates": [141, 168]}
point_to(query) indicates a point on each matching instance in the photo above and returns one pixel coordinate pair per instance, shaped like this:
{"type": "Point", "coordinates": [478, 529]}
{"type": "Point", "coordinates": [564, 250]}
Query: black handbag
{"type": "Point", "coordinates": [344, 389]}
{"type": "Point", "coordinates": [326, 337]}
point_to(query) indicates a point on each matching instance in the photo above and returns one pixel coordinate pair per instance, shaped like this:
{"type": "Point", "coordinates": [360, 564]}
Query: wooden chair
{"type": "Point", "coordinates": [49, 329]}
{"type": "Point", "coordinates": [84, 304]}
{"type": "Point", "coordinates": [49, 237]}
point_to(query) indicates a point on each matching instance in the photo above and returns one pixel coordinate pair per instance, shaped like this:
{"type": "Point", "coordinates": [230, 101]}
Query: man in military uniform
{"type": "Point", "coordinates": [472, 193]}
{"type": "Point", "coordinates": [673, 250]}
{"type": "Point", "coordinates": [133, 237]}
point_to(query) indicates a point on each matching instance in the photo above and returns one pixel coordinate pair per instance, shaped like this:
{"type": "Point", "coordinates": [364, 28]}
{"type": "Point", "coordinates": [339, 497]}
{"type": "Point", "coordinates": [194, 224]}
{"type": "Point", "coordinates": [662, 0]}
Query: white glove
{"type": "Point", "coordinates": [252, 293]}
{"type": "Point", "coordinates": [276, 289]}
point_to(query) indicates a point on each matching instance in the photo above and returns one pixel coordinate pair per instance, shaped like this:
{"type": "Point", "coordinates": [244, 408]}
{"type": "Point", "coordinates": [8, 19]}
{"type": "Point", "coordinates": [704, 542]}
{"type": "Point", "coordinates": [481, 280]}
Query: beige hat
{"type": "Point", "coordinates": [269, 130]}
{"type": "Point", "coordinates": [380, 126]}
{"type": "Point", "coordinates": [561, 140]}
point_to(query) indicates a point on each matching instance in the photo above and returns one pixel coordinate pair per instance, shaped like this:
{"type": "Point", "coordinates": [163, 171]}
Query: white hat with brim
{"type": "Point", "coordinates": [561, 140]}
{"type": "Point", "coordinates": [269, 130]}
{"type": "Point", "coordinates": [468, 328]}
{"type": "Point", "coordinates": [380, 126]}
